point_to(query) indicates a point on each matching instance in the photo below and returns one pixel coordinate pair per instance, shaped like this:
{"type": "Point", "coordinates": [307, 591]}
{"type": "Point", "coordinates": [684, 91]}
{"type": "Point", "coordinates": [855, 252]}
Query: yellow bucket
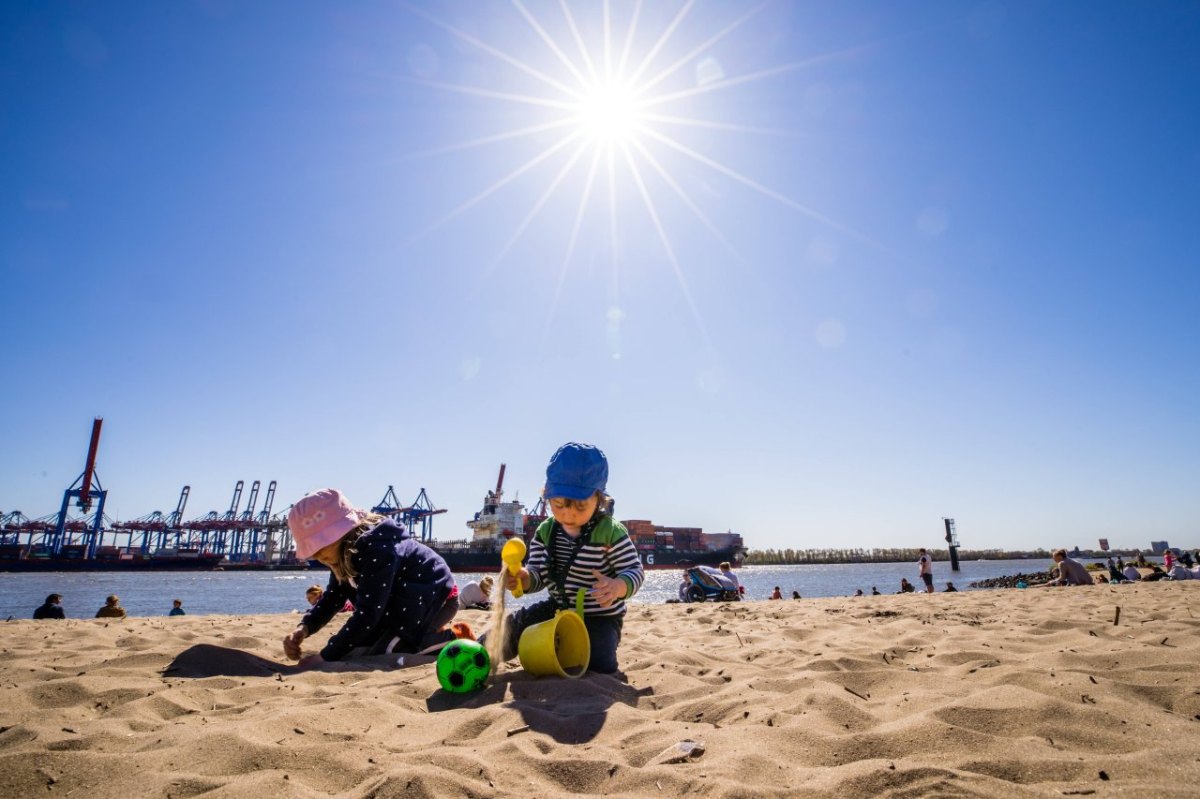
{"type": "Point", "coordinates": [559, 647]}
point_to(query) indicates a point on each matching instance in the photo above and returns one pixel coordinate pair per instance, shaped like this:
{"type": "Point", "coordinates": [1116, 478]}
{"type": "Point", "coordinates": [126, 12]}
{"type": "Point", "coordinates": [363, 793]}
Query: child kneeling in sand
{"type": "Point", "coordinates": [582, 546]}
{"type": "Point", "coordinates": [403, 593]}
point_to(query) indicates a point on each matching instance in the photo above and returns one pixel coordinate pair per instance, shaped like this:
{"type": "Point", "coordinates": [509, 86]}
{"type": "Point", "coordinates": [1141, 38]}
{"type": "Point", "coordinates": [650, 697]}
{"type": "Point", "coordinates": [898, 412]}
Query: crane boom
{"type": "Point", "coordinates": [85, 499]}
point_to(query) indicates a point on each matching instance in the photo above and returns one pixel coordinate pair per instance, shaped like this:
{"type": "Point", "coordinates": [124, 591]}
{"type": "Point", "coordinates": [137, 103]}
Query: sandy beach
{"type": "Point", "coordinates": [1004, 693]}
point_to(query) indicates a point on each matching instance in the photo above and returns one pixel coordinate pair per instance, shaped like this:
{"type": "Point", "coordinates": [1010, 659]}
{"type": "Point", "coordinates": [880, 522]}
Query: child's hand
{"type": "Point", "coordinates": [313, 661]}
{"type": "Point", "coordinates": [510, 579]}
{"type": "Point", "coordinates": [291, 644]}
{"type": "Point", "coordinates": [607, 589]}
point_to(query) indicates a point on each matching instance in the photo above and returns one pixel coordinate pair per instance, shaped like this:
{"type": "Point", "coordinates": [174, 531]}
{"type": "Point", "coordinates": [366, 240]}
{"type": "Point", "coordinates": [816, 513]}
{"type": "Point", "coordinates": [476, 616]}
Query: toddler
{"type": "Point", "coordinates": [580, 546]}
{"type": "Point", "coordinates": [402, 591]}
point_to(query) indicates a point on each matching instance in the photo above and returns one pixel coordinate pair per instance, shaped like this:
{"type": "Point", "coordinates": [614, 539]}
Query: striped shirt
{"type": "Point", "coordinates": [618, 560]}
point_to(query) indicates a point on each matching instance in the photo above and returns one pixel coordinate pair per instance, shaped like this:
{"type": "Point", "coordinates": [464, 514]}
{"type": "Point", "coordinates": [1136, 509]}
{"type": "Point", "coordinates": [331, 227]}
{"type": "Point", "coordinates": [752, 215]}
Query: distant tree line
{"type": "Point", "coordinates": [789, 557]}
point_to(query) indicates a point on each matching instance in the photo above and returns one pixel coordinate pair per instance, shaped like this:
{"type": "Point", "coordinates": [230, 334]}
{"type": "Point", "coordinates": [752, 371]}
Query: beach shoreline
{"type": "Point", "coordinates": [988, 693]}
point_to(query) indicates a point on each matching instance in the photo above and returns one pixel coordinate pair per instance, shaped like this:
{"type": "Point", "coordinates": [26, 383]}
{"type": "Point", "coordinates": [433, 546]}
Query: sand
{"type": "Point", "coordinates": [1004, 693]}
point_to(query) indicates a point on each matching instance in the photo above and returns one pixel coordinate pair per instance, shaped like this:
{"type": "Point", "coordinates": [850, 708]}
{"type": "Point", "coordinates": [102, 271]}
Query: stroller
{"type": "Point", "coordinates": [708, 583]}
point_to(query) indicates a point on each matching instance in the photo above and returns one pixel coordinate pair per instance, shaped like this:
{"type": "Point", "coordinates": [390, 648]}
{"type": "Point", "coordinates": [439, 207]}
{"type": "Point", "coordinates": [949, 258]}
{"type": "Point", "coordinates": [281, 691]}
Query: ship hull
{"type": "Point", "coordinates": [489, 561]}
{"type": "Point", "coordinates": [104, 565]}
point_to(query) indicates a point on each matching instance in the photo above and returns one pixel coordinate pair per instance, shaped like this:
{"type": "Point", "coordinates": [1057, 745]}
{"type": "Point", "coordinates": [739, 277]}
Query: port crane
{"type": "Point", "coordinates": [83, 494]}
{"type": "Point", "coordinates": [416, 515]}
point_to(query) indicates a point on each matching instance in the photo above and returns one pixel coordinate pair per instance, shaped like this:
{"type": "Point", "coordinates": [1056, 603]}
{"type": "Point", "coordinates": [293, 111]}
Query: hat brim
{"type": "Point", "coordinates": [566, 491]}
{"type": "Point", "coordinates": [313, 543]}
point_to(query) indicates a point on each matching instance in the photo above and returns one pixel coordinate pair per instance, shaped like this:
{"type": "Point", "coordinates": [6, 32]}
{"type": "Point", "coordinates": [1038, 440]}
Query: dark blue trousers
{"type": "Point", "coordinates": [604, 632]}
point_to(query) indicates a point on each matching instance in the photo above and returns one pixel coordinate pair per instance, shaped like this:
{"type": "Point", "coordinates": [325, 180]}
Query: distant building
{"type": "Point", "coordinates": [1159, 547]}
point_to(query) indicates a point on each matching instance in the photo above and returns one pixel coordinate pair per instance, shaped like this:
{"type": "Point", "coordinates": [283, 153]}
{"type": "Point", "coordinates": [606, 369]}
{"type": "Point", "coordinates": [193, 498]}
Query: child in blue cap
{"type": "Point", "coordinates": [580, 546]}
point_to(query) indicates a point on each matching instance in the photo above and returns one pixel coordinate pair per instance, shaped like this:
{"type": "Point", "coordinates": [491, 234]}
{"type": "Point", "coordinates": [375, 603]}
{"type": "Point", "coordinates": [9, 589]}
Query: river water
{"type": "Point", "coordinates": [150, 593]}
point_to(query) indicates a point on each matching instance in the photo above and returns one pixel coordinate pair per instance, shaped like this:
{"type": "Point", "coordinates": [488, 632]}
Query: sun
{"type": "Point", "coordinates": [608, 114]}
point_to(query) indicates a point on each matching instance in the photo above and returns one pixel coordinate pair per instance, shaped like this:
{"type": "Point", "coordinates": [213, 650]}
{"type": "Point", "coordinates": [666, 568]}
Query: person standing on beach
{"type": "Point", "coordinates": [112, 609]}
{"type": "Point", "coordinates": [404, 595]}
{"type": "Point", "coordinates": [925, 566]}
{"type": "Point", "coordinates": [581, 547]}
{"type": "Point", "coordinates": [52, 609]}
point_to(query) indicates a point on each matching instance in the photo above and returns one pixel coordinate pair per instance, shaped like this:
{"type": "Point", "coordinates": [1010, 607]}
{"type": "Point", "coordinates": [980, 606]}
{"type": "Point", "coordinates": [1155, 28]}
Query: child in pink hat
{"type": "Point", "coordinates": [403, 594]}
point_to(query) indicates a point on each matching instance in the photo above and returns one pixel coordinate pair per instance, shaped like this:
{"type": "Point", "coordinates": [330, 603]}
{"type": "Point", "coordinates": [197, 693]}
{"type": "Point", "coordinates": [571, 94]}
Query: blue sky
{"type": "Point", "coordinates": [874, 263]}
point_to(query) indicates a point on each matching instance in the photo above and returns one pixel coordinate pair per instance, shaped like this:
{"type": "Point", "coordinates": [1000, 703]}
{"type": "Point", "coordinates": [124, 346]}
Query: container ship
{"type": "Point", "coordinates": [658, 546]}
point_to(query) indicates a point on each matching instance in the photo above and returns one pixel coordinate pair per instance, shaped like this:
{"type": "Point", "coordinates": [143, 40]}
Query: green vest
{"type": "Point", "coordinates": [606, 532]}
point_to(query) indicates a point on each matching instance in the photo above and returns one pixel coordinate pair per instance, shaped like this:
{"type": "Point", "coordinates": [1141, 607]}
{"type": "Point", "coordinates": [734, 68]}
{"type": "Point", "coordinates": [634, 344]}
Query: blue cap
{"type": "Point", "coordinates": [576, 471]}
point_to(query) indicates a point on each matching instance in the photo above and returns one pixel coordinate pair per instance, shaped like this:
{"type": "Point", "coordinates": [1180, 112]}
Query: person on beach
{"type": "Point", "coordinates": [950, 588]}
{"type": "Point", "coordinates": [580, 547]}
{"type": "Point", "coordinates": [314, 594]}
{"type": "Point", "coordinates": [776, 594]}
{"type": "Point", "coordinates": [1131, 573]}
{"type": "Point", "coordinates": [1168, 560]}
{"type": "Point", "coordinates": [795, 595]}
{"type": "Point", "coordinates": [1114, 573]}
{"type": "Point", "coordinates": [1070, 571]}
{"type": "Point", "coordinates": [727, 571]}
{"type": "Point", "coordinates": [859, 592]}
{"type": "Point", "coordinates": [112, 609]}
{"type": "Point", "coordinates": [476, 595]}
{"type": "Point", "coordinates": [925, 567]}
{"type": "Point", "coordinates": [177, 608]}
{"type": "Point", "coordinates": [52, 609]}
{"type": "Point", "coordinates": [875, 591]}
{"type": "Point", "coordinates": [905, 586]}
{"type": "Point", "coordinates": [403, 593]}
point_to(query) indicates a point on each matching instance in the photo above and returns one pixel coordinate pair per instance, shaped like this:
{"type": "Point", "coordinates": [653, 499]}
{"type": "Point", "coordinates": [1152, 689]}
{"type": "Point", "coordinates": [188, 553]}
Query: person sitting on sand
{"type": "Point", "coordinates": [112, 609]}
{"type": "Point", "coordinates": [1114, 574]}
{"type": "Point", "coordinates": [314, 594]}
{"type": "Point", "coordinates": [776, 594]}
{"type": "Point", "coordinates": [859, 592]}
{"type": "Point", "coordinates": [52, 609]}
{"type": "Point", "coordinates": [1132, 574]}
{"type": "Point", "coordinates": [1070, 571]}
{"type": "Point", "coordinates": [795, 595]}
{"type": "Point", "coordinates": [905, 586]}
{"type": "Point", "coordinates": [404, 595]}
{"type": "Point", "coordinates": [580, 538]}
{"type": "Point", "coordinates": [950, 588]}
{"type": "Point", "coordinates": [727, 572]}
{"type": "Point", "coordinates": [875, 591]}
{"type": "Point", "coordinates": [476, 595]}
{"type": "Point", "coordinates": [177, 608]}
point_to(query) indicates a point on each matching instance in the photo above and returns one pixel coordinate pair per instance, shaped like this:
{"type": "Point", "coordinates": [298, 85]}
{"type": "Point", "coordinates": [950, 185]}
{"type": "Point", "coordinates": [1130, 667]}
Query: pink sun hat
{"type": "Point", "coordinates": [321, 518]}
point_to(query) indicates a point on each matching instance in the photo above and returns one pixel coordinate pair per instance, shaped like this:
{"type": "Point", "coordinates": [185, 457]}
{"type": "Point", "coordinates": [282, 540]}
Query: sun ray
{"type": "Point", "coordinates": [608, 74]}
{"type": "Point", "coordinates": [637, 12]}
{"type": "Point", "coordinates": [695, 209]}
{"type": "Point", "coordinates": [729, 126]}
{"type": "Point", "coordinates": [504, 181]}
{"type": "Point", "coordinates": [662, 41]}
{"type": "Point", "coordinates": [537, 207]}
{"type": "Point", "coordinates": [751, 77]}
{"type": "Point", "coordinates": [498, 137]}
{"type": "Point", "coordinates": [612, 224]}
{"type": "Point", "coordinates": [527, 99]}
{"type": "Point", "coordinates": [587, 59]}
{"type": "Point", "coordinates": [661, 76]}
{"type": "Point", "coordinates": [487, 48]}
{"type": "Point", "coordinates": [666, 242]}
{"type": "Point", "coordinates": [570, 65]}
{"type": "Point", "coordinates": [774, 195]}
{"type": "Point", "coordinates": [562, 273]}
